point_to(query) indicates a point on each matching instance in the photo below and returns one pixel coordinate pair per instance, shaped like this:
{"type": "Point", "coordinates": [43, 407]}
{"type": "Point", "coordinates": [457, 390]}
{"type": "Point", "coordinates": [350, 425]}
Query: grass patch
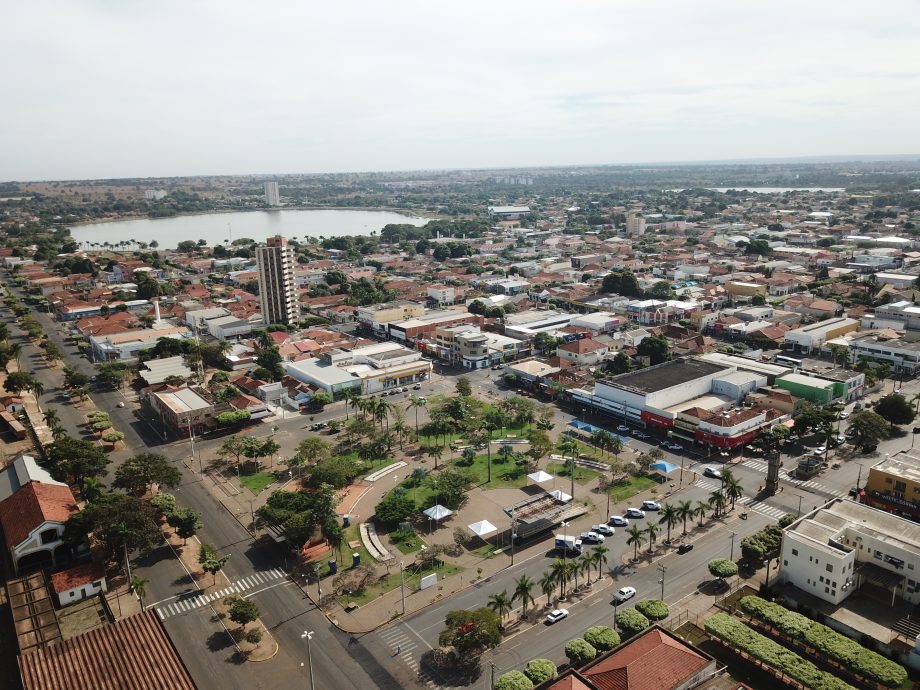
{"type": "Point", "coordinates": [484, 551]}
{"type": "Point", "coordinates": [632, 486]}
{"type": "Point", "coordinates": [406, 542]}
{"type": "Point", "coordinates": [504, 474]}
{"type": "Point", "coordinates": [350, 534]}
{"type": "Point", "coordinates": [389, 582]}
{"type": "Point", "coordinates": [256, 482]}
{"type": "Point", "coordinates": [583, 475]}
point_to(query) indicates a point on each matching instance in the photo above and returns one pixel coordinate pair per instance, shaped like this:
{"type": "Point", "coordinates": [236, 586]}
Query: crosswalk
{"type": "Point", "coordinates": [398, 639]}
{"type": "Point", "coordinates": [747, 501]}
{"type": "Point", "coordinates": [196, 600]}
{"type": "Point", "coordinates": [761, 466]}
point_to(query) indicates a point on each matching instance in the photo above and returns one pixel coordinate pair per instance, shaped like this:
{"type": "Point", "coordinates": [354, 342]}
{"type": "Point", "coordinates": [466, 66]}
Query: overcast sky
{"type": "Point", "coordinates": [117, 88]}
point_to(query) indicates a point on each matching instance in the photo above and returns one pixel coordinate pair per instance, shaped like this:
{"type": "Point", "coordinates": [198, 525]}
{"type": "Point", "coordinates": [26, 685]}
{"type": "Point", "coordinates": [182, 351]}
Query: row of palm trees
{"type": "Point", "coordinates": [562, 572]}
{"type": "Point", "coordinates": [673, 514]}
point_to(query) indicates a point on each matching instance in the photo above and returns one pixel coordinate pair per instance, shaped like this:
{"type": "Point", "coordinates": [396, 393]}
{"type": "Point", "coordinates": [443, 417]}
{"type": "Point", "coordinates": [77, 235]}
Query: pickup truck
{"type": "Point", "coordinates": [569, 544]}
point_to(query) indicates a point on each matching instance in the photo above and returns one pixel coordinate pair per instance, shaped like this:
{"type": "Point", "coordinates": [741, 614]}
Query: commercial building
{"type": "Point", "coordinates": [218, 322]}
{"type": "Point", "coordinates": [635, 224]}
{"type": "Point", "coordinates": [808, 388]}
{"type": "Point", "coordinates": [368, 369]}
{"type": "Point", "coordinates": [838, 548]}
{"type": "Point", "coordinates": [902, 315]}
{"type": "Point", "coordinates": [894, 485]}
{"type": "Point", "coordinates": [441, 295]}
{"type": "Point", "coordinates": [272, 196]}
{"type": "Point", "coordinates": [814, 336]}
{"type": "Point", "coordinates": [598, 322]}
{"type": "Point", "coordinates": [375, 318]}
{"type": "Point", "coordinates": [904, 356]}
{"type": "Point", "coordinates": [737, 288]}
{"type": "Point", "coordinates": [158, 370]}
{"type": "Point", "coordinates": [277, 284]}
{"type": "Point", "coordinates": [126, 345]}
{"type": "Point", "coordinates": [473, 348]}
{"type": "Point", "coordinates": [526, 324]}
{"type": "Point", "coordinates": [414, 329]}
{"type": "Point", "coordinates": [583, 352]}
{"type": "Point", "coordinates": [508, 212]}
{"type": "Point", "coordinates": [182, 411]}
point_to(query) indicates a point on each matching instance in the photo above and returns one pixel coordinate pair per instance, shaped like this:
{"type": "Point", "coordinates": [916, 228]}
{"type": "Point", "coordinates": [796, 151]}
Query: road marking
{"type": "Point", "coordinates": [265, 589]}
{"type": "Point", "coordinates": [192, 600]}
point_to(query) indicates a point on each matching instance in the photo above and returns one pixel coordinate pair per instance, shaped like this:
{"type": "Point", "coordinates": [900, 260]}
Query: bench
{"type": "Point", "coordinates": [372, 543]}
{"type": "Point", "coordinates": [384, 471]}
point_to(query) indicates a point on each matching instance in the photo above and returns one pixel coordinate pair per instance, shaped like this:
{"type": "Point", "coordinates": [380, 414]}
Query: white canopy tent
{"type": "Point", "coordinates": [539, 477]}
{"type": "Point", "coordinates": [438, 512]}
{"type": "Point", "coordinates": [560, 495]}
{"type": "Point", "coordinates": [482, 528]}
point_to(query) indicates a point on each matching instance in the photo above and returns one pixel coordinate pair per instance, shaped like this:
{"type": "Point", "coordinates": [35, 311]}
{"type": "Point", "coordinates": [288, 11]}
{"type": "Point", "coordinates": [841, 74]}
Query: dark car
{"type": "Point", "coordinates": [684, 548]}
{"type": "Point", "coordinates": [869, 449]}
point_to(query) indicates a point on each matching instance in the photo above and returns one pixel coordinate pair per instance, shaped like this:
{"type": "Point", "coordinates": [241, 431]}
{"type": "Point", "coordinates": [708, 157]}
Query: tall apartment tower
{"type": "Point", "coordinates": [635, 224]}
{"type": "Point", "coordinates": [272, 198]}
{"type": "Point", "coordinates": [277, 286]}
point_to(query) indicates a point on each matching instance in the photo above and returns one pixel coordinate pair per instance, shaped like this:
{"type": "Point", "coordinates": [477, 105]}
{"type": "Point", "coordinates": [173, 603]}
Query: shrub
{"type": "Point", "coordinates": [540, 670]}
{"type": "Point", "coordinates": [602, 638]}
{"type": "Point", "coordinates": [254, 636]}
{"type": "Point", "coordinates": [653, 609]}
{"type": "Point", "coordinates": [736, 634]}
{"type": "Point", "coordinates": [513, 680]}
{"type": "Point", "coordinates": [722, 568]}
{"type": "Point", "coordinates": [579, 652]}
{"type": "Point", "coordinates": [631, 622]}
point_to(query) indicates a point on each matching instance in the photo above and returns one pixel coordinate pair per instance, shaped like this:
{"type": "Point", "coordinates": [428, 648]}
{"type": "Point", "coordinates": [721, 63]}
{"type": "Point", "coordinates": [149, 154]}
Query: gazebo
{"type": "Point", "coordinates": [539, 477]}
{"type": "Point", "coordinates": [437, 513]}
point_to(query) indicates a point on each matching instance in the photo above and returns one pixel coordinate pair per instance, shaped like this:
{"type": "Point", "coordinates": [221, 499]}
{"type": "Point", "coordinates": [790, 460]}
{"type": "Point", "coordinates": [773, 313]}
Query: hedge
{"type": "Point", "coordinates": [631, 622]}
{"type": "Point", "coordinates": [579, 652]}
{"type": "Point", "coordinates": [513, 680]}
{"type": "Point", "coordinates": [653, 609]}
{"type": "Point", "coordinates": [722, 568]}
{"type": "Point", "coordinates": [736, 634]}
{"type": "Point", "coordinates": [602, 638]}
{"type": "Point", "coordinates": [540, 670]}
{"type": "Point", "coordinates": [840, 648]}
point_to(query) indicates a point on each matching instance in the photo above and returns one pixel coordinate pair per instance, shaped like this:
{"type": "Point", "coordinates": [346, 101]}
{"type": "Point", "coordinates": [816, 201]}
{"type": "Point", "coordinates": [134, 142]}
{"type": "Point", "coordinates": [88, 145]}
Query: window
{"type": "Point", "coordinates": [795, 552]}
{"type": "Point", "coordinates": [785, 562]}
{"type": "Point", "coordinates": [821, 578]}
{"type": "Point", "coordinates": [827, 590]}
{"type": "Point", "coordinates": [889, 480]}
{"type": "Point", "coordinates": [49, 535]}
{"type": "Point", "coordinates": [829, 568]}
{"type": "Point", "coordinates": [910, 566]}
{"type": "Point", "coordinates": [833, 592]}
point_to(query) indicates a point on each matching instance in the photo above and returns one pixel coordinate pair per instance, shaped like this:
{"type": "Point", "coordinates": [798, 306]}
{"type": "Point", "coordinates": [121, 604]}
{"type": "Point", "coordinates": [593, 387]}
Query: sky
{"type": "Point", "coordinates": [122, 88]}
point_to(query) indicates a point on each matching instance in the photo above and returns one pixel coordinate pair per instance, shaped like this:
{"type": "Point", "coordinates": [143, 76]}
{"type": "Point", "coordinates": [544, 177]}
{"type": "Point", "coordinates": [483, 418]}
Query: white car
{"type": "Point", "coordinates": [557, 615]}
{"type": "Point", "coordinates": [619, 521]}
{"type": "Point", "coordinates": [843, 415]}
{"type": "Point", "coordinates": [651, 505]}
{"type": "Point", "coordinates": [121, 404]}
{"type": "Point", "coordinates": [603, 529]}
{"type": "Point", "coordinates": [712, 472]}
{"type": "Point", "coordinates": [624, 594]}
{"type": "Point", "coordinates": [819, 451]}
{"type": "Point", "coordinates": [675, 447]}
{"type": "Point", "coordinates": [623, 429]}
{"type": "Point", "coordinates": [634, 513]}
{"type": "Point", "coordinates": [591, 537]}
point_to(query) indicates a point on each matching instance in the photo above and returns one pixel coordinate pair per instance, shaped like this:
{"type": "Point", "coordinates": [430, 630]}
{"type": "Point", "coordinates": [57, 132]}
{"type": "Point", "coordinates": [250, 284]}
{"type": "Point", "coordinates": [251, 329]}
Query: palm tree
{"type": "Point", "coordinates": [401, 430]}
{"type": "Point", "coordinates": [635, 538]}
{"type": "Point", "coordinates": [599, 558]}
{"type": "Point", "coordinates": [732, 487]}
{"type": "Point", "coordinates": [560, 572]}
{"type": "Point", "coordinates": [615, 446]}
{"type": "Point", "coordinates": [569, 447]}
{"type": "Point", "coordinates": [572, 568]}
{"type": "Point", "coordinates": [717, 502]}
{"type": "Point", "coordinates": [668, 517]}
{"type": "Point", "coordinates": [685, 510]}
{"type": "Point", "coordinates": [416, 402]}
{"type": "Point", "coordinates": [522, 587]}
{"type": "Point", "coordinates": [51, 417]}
{"type": "Point", "coordinates": [349, 396]}
{"type": "Point", "coordinates": [92, 489]}
{"type": "Point", "coordinates": [585, 563]}
{"type": "Point", "coordinates": [139, 587]}
{"type": "Point", "coordinates": [700, 510]}
{"type": "Point", "coordinates": [548, 585]}
{"type": "Point", "coordinates": [651, 529]}
{"type": "Point", "coordinates": [434, 451]}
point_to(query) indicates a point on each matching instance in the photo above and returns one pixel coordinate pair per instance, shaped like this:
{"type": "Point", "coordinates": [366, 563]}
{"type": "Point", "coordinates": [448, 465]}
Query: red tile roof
{"type": "Point", "coordinates": [33, 505]}
{"type": "Point", "coordinates": [653, 661]}
{"type": "Point", "coordinates": [77, 576]}
{"type": "Point", "coordinates": [582, 346]}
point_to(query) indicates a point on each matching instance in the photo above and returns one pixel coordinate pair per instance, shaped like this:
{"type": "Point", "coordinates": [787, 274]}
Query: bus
{"type": "Point", "coordinates": [789, 361]}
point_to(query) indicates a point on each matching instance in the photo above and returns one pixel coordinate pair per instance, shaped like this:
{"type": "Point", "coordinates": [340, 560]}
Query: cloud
{"type": "Point", "coordinates": [107, 89]}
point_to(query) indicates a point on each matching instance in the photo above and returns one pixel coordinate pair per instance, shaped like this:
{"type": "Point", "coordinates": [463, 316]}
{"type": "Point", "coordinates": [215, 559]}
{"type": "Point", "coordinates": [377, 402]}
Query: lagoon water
{"type": "Point", "coordinates": [215, 228]}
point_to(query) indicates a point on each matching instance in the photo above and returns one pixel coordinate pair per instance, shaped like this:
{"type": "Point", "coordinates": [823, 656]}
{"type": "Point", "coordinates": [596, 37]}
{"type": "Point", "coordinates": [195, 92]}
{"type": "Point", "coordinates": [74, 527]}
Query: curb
{"type": "Point", "coordinates": [270, 657]}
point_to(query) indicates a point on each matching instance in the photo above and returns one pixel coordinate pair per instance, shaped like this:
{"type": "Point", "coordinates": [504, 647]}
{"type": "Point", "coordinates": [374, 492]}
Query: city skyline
{"type": "Point", "coordinates": [115, 91]}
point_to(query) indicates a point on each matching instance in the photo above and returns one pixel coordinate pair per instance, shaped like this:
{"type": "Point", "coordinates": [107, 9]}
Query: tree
{"type": "Point", "coordinates": [320, 399]}
{"type": "Point", "coordinates": [242, 611]}
{"type": "Point", "coordinates": [620, 364]}
{"type": "Point", "coordinates": [165, 503]}
{"type": "Point", "coordinates": [397, 506]}
{"type": "Point", "coordinates": [630, 622]}
{"type": "Point", "coordinates": [579, 652]}
{"type": "Point", "coordinates": [654, 347]}
{"type": "Point", "coordinates": [722, 568]}
{"type": "Point", "coordinates": [75, 460]}
{"type": "Point", "coordinates": [522, 590]}
{"type": "Point", "coordinates": [211, 561]}
{"type": "Point", "coordinates": [18, 381]}
{"type": "Point", "coordinates": [450, 488]}
{"type": "Point", "coordinates": [717, 502]}
{"type": "Point", "coordinates": [651, 531]}
{"type": "Point", "coordinates": [233, 418]}
{"type": "Point", "coordinates": [732, 487]}
{"type": "Point", "coordinates": [599, 558]}
{"type": "Point", "coordinates": [185, 521]}
{"type": "Point", "coordinates": [668, 517]}
{"type": "Point", "coordinates": [548, 585]}
{"type": "Point", "coordinates": [684, 512]}
{"type": "Point", "coordinates": [635, 539]}
{"type": "Point", "coordinates": [115, 520]}
{"type": "Point", "coordinates": [338, 471]}
{"type": "Point", "coordinates": [463, 386]}
{"type": "Point", "coordinates": [113, 374]}
{"type": "Point", "coordinates": [540, 445]}
{"type": "Point", "coordinates": [540, 670]}
{"type": "Point", "coordinates": [112, 437]}
{"type": "Point", "coordinates": [602, 638]}
{"type": "Point", "coordinates": [416, 403]}
{"type": "Point", "coordinates": [501, 603]}
{"type": "Point", "coordinates": [895, 408]}
{"type": "Point", "coordinates": [700, 510]}
{"type": "Point", "coordinates": [868, 428]}
{"type": "Point", "coordinates": [471, 632]}
{"type": "Point", "coordinates": [622, 283]}
{"type": "Point", "coordinates": [513, 680]}
{"type": "Point", "coordinates": [653, 609]}
{"type": "Point", "coordinates": [544, 342]}
{"type": "Point", "coordinates": [138, 585]}
{"type": "Point", "coordinates": [311, 450]}
{"type": "Point", "coordinates": [140, 472]}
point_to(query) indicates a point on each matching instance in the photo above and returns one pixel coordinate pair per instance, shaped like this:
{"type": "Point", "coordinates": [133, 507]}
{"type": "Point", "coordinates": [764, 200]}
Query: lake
{"type": "Point", "coordinates": [214, 228]}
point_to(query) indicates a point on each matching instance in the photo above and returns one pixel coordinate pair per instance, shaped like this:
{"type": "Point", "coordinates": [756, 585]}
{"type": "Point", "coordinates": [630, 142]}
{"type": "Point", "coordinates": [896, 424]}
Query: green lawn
{"type": "Point", "coordinates": [407, 544]}
{"type": "Point", "coordinates": [392, 581]}
{"type": "Point", "coordinates": [484, 551]}
{"type": "Point", "coordinates": [583, 475]}
{"type": "Point", "coordinates": [257, 481]}
{"type": "Point", "coordinates": [631, 487]}
{"type": "Point", "coordinates": [504, 474]}
{"type": "Point", "coordinates": [350, 533]}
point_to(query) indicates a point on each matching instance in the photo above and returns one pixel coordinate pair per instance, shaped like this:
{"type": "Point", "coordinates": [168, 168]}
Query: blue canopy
{"type": "Point", "coordinates": [590, 429]}
{"type": "Point", "coordinates": [663, 467]}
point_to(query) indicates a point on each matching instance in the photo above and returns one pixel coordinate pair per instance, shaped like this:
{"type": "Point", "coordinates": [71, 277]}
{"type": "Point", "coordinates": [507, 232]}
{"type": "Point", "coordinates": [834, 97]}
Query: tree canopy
{"type": "Point", "coordinates": [471, 632]}
{"type": "Point", "coordinates": [138, 473]}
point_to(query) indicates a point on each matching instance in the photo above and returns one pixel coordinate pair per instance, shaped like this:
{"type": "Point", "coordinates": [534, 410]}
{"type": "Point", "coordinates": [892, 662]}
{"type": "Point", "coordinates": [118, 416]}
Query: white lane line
{"type": "Point", "coordinates": [160, 614]}
{"type": "Point", "coordinates": [265, 589]}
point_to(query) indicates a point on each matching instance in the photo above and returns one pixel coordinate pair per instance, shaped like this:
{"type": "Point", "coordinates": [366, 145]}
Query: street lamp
{"type": "Point", "coordinates": [565, 538]}
{"type": "Point", "coordinates": [662, 570]}
{"type": "Point", "coordinates": [732, 556]}
{"type": "Point", "coordinates": [402, 586]}
{"type": "Point", "coordinates": [859, 476]}
{"type": "Point", "coordinates": [308, 635]}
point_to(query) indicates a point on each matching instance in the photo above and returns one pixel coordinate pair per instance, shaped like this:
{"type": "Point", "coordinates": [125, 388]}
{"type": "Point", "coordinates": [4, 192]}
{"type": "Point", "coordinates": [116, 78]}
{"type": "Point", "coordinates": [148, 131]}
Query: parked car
{"type": "Point", "coordinates": [843, 415]}
{"type": "Point", "coordinates": [606, 530]}
{"type": "Point", "coordinates": [684, 548]}
{"type": "Point", "coordinates": [623, 429]}
{"type": "Point", "coordinates": [675, 446]}
{"type": "Point", "coordinates": [712, 472]}
{"type": "Point", "coordinates": [651, 505]}
{"type": "Point", "coordinates": [634, 513]}
{"type": "Point", "coordinates": [591, 537]}
{"type": "Point", "coordinates": [819, 451]}
{"type": "Point", "coordinates": [121, 404]}
{"type": "Point", "coordinates": [556, 615]}
{"type": "Point", "coordinates": [417, 387]}
{"type": "Point", "coordinates": [619, 521]}
{"type": "Point", "coordinates": [854, 491]}
{"type": "Point", "coordinates": [642, 435]}
{"type": "Point", "coordinates": [624, 594]}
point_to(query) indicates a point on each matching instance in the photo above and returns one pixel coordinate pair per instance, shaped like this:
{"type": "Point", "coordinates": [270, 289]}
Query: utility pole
{"type": "Point", "coordinates": [732, 554]}
{"type": "Point", "coordinates": [662, 570]}
{"type": "Point", "coordinates": [512, 536]}
{"type": "Point", "coordinates": [402, 586]}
